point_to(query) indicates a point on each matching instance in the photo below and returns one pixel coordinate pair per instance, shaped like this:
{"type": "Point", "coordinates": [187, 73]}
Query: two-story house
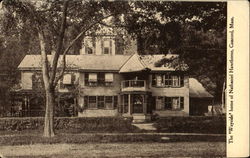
{"type": "Point", "coordinates": [104, 80]}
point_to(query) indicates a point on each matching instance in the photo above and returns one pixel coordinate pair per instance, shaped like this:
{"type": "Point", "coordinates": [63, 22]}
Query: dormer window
{"type": "Point", "coordinates": [107, 46]}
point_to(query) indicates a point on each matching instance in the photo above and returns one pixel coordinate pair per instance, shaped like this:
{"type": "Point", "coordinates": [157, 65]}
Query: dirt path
{"type": "Point", "coordinates": [115, 150]}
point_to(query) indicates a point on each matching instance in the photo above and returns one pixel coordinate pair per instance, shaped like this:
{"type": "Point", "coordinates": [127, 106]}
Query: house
{"type": "Point", "coordinates": [104, 80]}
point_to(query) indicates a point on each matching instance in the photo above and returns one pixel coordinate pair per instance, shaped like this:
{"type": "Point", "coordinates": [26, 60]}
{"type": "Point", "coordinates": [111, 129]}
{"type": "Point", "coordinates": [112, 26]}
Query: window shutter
{"type": "Point", "coordinates": [102, 46]}
{"type": "Point", "coordinates": [182, 80]}
{"type": "Point", "coordinates": [182, 102]}
{"type": "Point", "coordinates": [110, 46]}
{"type": "Point", "coordinates": [153, 80]}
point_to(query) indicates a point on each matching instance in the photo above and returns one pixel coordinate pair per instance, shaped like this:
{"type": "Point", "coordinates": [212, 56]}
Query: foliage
{"type": "Point", "coordinates": [192, 124]}
{"type": "Point", "coordinates": [70, 124]}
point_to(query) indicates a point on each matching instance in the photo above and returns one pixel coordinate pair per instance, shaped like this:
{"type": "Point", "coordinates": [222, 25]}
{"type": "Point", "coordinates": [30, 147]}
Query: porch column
{"type": "Point", "coordinates": [25, 106]}
{"type": "Point", "coordinates": [75, 106]}
{"type": "Point", "coordinates": [144, 104]}
{"type": "Point", "coordinates": [28, 104]}
{"type": "Point", "coordinates": [129, 108]}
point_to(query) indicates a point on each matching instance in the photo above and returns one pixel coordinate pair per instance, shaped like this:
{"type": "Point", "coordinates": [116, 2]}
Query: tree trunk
{"type": "Point", "coordinates": [49, 114]}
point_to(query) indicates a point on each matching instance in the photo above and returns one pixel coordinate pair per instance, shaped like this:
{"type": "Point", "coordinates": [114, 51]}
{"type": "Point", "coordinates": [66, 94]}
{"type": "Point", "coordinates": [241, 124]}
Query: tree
{"type": "Point", "coordinates": [194, 30]}
{"type": "Point", "coordinates": [49, 21]}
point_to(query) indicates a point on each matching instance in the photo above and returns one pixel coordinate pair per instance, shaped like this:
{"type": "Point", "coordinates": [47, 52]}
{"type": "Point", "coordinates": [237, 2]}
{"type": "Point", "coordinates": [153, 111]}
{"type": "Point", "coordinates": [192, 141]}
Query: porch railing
{"type": "Point", "coordinates": [133, 84]}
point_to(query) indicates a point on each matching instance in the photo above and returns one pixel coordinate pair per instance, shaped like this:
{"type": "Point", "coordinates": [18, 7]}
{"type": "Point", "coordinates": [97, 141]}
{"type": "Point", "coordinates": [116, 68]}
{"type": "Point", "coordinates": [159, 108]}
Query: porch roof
{"type": "Point", "coordinates": [196, 89]}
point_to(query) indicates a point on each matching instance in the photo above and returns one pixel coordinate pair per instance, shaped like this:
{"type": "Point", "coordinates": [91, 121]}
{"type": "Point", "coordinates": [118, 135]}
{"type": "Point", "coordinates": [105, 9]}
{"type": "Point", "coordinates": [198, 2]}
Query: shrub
{"type": "Point", "coordinates": [192, 124]}
{"type": "Point", "coordinates": [70, 124]}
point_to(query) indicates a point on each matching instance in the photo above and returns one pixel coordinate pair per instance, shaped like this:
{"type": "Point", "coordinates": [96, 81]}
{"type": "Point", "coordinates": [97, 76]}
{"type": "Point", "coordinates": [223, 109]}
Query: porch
{"type": "Point", "coordinates": [136, 105]}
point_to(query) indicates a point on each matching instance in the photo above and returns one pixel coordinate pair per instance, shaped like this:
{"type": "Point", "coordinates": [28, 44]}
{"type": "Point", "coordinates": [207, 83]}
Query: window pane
{"type": "Point", "coordinates": [92, 101]}
{"type": "Point", "coordinates": [175, 103]}
{"type": "Point", "coordinates": [100, 101]}
{"type": "Point", "coordinates": [92, 77]}
{"type": "Point", "coordinates": [159, 103]}
{"type": "Point", "coordinates": [159, 80]}
{"type": "Point", "coordinates": [168, 103]}
{"type": "Point", "coordinates": [175, 81]}
{"type": "Point", "coordinates": [106, 43]}
{"type": "Point", "coordinates": [109, 102]}
{"type": "Point", "coordinates": [106, 50]}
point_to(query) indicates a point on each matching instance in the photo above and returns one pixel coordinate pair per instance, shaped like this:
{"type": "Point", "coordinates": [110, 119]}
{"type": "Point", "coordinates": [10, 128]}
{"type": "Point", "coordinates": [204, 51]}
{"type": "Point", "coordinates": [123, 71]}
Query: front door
{"type": "Point", "coordinates": [137, 103]}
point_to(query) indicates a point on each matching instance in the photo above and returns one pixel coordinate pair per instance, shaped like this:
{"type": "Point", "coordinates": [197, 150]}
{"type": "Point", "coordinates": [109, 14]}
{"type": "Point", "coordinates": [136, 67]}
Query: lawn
{"type": "Point", "coordinates": [35, 137]}
{"type": "Point", "coordinates": [176, 149]}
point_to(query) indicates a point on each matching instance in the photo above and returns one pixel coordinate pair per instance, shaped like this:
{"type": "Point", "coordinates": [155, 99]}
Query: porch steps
{"type": "Point", "coordinates": [145, 126]}
{"type": "Point", "coordinates": [141, 118]}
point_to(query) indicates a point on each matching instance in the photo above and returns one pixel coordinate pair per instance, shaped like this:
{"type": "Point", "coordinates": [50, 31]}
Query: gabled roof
{"type": "Point", "coordinates": [80, 62]}
{"type": "Point", "coordinates": [142, 62]}
{"type": "Point", "coordinates": [196, 89]}
{"type": "Point", "coordinates": [133, 64]}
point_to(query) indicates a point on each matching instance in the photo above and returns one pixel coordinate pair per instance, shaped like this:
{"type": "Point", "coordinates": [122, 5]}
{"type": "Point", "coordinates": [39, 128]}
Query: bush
{"type": "Point", "coordinates": [192, 124]}
{"type": "Point", "coordinates": [70, 124]}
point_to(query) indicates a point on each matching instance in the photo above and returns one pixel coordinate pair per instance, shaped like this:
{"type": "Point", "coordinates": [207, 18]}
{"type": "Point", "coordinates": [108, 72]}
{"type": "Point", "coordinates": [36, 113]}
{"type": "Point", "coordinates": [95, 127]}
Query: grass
{"type": "Point", "coordinates": [36, 138]}
{"type": "Point", "coordinates": [177, 149]}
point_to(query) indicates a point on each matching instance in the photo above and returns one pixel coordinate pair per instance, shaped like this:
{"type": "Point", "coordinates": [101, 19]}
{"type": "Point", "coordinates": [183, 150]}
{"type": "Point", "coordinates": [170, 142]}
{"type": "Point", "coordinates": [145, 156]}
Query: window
{"type": "Point", "coordinates": [99, 79]}
{"type": "Point", "coordinates": [92, 79]}
{"type": "Point", "coordinates": [166, 80]}
{"type": "Point", "coordinates": [100, 102]}
{"type": "Point", "coordinates": [109, 78]}
{"type": "Point", "coordinates": [92, 102]}
{"type": "Point", "coordinates": [107, 44]}
{"type": "Point", "coordinates": [174, 103]}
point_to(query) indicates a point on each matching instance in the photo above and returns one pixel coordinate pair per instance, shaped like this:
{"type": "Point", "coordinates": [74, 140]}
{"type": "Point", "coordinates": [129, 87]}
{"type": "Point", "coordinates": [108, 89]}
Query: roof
{"type": "Point", "coordinates": [133, 64]}
{"type": "Point", "coordinates": [141, 62]}
{"type": "Point", "coordinates": [196, 89]}
{"type": "Point", "coordinates": [81, 62]}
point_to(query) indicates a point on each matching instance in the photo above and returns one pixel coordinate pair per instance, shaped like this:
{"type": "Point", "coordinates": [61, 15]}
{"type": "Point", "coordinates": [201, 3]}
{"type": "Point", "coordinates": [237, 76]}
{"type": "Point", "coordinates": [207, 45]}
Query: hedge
{"type": "Point", "coordinates": [71, 124]}
{"type": "Point", "coordinates": [192, 124]}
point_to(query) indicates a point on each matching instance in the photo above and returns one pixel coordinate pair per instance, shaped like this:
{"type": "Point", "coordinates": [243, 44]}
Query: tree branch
{"type": "Point", "coordinates": [71, 44]}
{"type": "Point", "coordinates": [59, 43]}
